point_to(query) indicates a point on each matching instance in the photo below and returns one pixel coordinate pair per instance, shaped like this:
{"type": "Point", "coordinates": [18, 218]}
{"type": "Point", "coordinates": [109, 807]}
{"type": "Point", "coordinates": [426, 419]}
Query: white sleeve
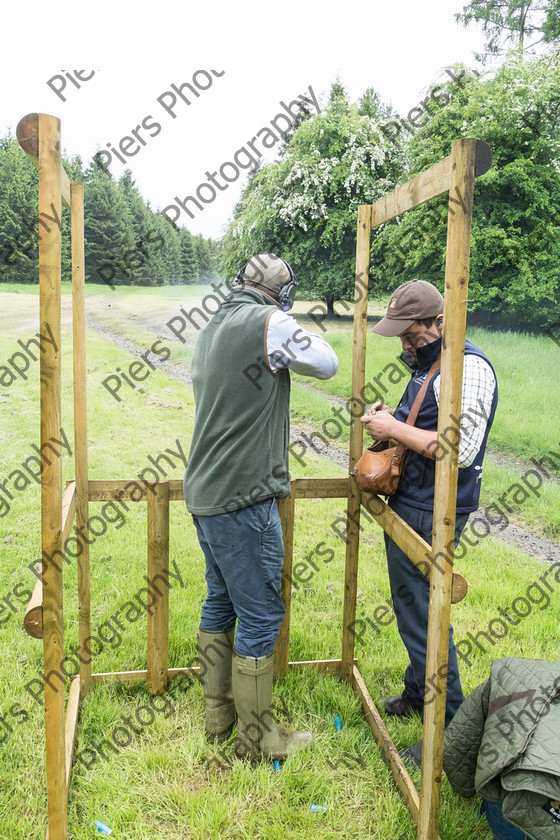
{"type": "Point", "coordinates": [290, 346]}
{"type": "Point", "coordinates": [479, 384]}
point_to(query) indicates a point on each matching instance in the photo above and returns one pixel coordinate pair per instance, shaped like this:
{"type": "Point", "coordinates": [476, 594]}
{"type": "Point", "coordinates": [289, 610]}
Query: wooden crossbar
{"type": "Point", "coordinates": [416, 549]}
{"type": "Point", "coordinates": [135, 490]}
{"type": "Point", "coordinates": [322, 665]}
{"type": "Point", "coordinates": [428, 184]}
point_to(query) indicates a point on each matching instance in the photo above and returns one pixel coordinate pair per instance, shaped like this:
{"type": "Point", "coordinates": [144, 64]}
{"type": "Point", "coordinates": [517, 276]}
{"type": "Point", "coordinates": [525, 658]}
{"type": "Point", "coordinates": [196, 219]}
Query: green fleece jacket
{"type": "Point", "coordinates": [239, 449]}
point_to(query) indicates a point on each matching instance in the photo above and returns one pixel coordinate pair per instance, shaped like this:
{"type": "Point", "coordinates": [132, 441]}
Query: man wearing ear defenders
{"type": "Point", "coordinates": [237, 468]}
{"type": "Point", "coordinates": [415, 315]}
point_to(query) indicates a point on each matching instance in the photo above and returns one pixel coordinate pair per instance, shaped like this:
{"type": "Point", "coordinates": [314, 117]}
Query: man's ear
{"type": "Point", "coordinates": [439, 323]}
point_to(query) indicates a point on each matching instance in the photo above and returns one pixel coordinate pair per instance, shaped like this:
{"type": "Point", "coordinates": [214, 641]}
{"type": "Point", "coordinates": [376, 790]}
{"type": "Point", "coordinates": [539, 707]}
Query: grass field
{"type": "Point", "coordinates": [168, 781]}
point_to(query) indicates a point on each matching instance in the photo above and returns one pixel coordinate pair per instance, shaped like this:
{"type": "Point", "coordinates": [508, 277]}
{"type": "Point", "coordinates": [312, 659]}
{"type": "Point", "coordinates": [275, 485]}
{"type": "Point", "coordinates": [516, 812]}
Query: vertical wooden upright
{"type": "Point", "coordinates": [356, 438]}
{"type": "Point", "coordinates": [80, 420]}
{"type": "Point", "coordinates": [286, 510]}
{"type": "Point", "coordinates": [48, 135]}
{"type": "Point", "coordinates": [158, 565]}
{"type": "Point", "coordinates": [462, 175]}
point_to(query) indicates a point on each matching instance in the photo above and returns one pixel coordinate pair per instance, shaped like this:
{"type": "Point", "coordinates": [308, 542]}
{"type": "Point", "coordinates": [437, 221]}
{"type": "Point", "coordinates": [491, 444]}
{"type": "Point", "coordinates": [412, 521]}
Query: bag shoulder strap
{"type": "Point", "coordinates": [411, 419]}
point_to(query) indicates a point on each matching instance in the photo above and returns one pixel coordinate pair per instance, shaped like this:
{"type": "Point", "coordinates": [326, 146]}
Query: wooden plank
{"type": "Point", "coordinates": [320, 488]}
{"type": "Point", "coordinates": [71, 724]}
{"type": "Point", "coordinates": [322, 665]}
{"type": "Point", "coordinates": [65, 191]}
{"type": "Point", "coordinates": [48, 139]}
{"type": "Point", "coordinates": [129, 490]}
{"type": "Point", "coordinates": [124, 676]}
{"type": "Point", "coordinates": [286, 509]}
{"type": "Point", "coordinates": [133, 490]}
{"type": "Point", "coordinates": [417, 549]}
{"type": "Point", "coordinates": [68, 509]}
{"type": "Point", "coordinates": [80, 420]}
{"type": "Point", "coordinates": [334, 666]}
{"type": "Point", "coordinates": [389, 752]}
{"type": "Point", "coordinates": [464, 153]}
{"type": "Point", "coordinates": [27, 133]}
{"type": "Point", "coordinates": [158, 566]}
{"type": "Point", "coordinates": [359, 336]}
{"type": "Point", "coordinates": [33, 618]}
{"type": "Point", "coordinates": [357, 405]}
{"type": "Point", "coordinates": [428, 184]}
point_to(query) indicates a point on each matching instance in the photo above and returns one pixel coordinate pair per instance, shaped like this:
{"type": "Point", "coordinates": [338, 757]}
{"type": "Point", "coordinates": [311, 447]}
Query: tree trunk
{"type": "Point", "coordinates": [330, 306]}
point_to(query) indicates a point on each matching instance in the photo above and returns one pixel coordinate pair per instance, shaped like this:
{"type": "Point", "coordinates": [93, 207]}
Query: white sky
{"type": "Point", "coordinates": [268, 52]}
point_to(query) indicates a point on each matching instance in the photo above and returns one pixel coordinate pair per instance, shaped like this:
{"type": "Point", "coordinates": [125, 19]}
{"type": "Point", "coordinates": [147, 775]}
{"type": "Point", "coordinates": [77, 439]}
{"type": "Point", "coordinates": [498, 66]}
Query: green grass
{"type": "Point", "coordinates": [526, 365]}
{"type": "Point", "coordinates": [104, 289]}
{"type": "Point", "coordinates": [162, 784]}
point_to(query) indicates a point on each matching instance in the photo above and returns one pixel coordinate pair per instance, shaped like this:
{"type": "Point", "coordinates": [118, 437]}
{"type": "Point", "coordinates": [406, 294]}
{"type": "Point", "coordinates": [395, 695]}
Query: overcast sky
{"type": "Point", "coordinates": [262, 53]}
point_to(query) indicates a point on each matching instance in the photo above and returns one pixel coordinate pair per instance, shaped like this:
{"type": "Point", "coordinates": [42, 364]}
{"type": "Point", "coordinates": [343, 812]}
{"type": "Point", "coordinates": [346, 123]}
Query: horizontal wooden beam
{"type": "Point", "coordinates": [431, 182]}
{"type": "Point", "coordinates": [129, 489]}
{"type": "Point", "coordinates": [320, 488]}
{"type": "Point", "coordinates": [417, 549]}
{"type": "Point", "coordinates": [129, 676]}
{"type": "Point", "coordinates": [132, 676]}
{"type": "Point", "coordinates": [321, 665]}
{"type": "Point", "coordinates": [33, 618]}
{"type": "Point", "coordinates": [27, 133]}
{"type": "Point", "coordinates": [135, 490]}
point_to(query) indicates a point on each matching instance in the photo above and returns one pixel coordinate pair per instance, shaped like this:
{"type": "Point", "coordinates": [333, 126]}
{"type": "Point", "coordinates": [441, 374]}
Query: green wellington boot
{"type": "Point", "coordinates": [258, 735]}
{"type": "Point", "coordinates": [214, 654]}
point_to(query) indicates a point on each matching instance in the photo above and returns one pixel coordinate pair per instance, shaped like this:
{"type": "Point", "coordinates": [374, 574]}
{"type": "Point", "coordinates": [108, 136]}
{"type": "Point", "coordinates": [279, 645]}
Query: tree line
{"type": "Point", "coordinates": [304, 205]}
{"type": "Point", "coordinates": [126, 242]}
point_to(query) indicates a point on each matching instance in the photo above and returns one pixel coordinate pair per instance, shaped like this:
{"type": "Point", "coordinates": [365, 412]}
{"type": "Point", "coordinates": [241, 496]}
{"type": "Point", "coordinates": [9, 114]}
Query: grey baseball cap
{"type": "Point", "coordinates": [267, 271]}
{"type": "Point", "coordinates": [409, 303]}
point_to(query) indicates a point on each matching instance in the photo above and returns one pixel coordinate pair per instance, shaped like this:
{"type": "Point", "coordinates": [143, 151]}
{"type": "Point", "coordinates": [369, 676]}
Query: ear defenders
{"type": "Point", "coordinates": [286, 295]}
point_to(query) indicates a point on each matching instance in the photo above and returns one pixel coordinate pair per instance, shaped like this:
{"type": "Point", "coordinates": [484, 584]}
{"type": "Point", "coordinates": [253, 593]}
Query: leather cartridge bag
{"type": "Point", "coordinates": [381, 466]}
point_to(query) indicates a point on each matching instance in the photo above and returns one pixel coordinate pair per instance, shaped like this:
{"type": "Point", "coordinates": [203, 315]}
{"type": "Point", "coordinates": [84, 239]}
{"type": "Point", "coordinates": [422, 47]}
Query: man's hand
{"type": "Point", "coordinates": [379, 406]}
{"type": "Point", "coordinates": [381, 425]}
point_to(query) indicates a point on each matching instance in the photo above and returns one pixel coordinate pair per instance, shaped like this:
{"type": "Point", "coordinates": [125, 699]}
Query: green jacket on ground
{"type": "Point", "coordinates": [504, 744]}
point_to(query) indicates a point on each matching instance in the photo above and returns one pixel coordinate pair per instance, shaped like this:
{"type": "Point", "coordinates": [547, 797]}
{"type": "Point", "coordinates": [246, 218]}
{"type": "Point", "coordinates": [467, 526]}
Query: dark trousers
{"type": "Point", "coordinates": [410, 591]}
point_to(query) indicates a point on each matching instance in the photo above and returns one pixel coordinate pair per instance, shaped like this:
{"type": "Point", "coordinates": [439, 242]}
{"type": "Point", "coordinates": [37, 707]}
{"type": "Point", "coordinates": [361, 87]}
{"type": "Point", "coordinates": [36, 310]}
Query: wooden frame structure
{"type": "Point", "coordinates": [39, 136]}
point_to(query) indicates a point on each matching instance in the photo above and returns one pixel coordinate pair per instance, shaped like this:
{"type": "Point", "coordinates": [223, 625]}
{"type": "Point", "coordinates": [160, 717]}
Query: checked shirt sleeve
{"type": "Point", "coordinates": [479, 384]}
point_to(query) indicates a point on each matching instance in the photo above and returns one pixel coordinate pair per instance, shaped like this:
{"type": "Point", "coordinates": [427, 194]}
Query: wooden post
{"type": "Point", "coordinates": [158, 565]}
{"type": "Point", "coordinates": [80, 419]}
{"type": "Point", "coordinates": [71, 724]}
{"type": "Point", "coordinates": [463, 173]}
{"type": "Point", "coordinates": [356, 439]}
{"type": "Point", "coordinates": [51, 474]}
{"type": "Point", "coordinates": [286, 509]}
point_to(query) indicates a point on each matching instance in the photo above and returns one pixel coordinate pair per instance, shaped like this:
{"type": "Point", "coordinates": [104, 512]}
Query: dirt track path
{"type": "Point", "coordinates": [513, 534]}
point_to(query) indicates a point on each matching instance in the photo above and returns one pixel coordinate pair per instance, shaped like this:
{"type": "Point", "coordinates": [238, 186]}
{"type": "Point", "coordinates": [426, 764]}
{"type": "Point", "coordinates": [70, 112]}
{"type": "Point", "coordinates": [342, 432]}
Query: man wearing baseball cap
{"type": "Point", "coordinates": [237, 468]}
{"type": "Point", "coordinates": [415, 315]}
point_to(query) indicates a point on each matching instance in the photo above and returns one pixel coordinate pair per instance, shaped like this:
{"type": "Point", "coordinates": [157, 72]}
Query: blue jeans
{"type": "Point", "coordinates": [501, 828]}
{"type": "Point", "coordinates": [410, 591]}
{"type": "Point", "coordinates": [244, 558]}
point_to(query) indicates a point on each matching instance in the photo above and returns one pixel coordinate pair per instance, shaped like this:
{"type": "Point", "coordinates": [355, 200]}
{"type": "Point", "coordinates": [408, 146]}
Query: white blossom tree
{"type": "Point", "coordinates": [303, 206]}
